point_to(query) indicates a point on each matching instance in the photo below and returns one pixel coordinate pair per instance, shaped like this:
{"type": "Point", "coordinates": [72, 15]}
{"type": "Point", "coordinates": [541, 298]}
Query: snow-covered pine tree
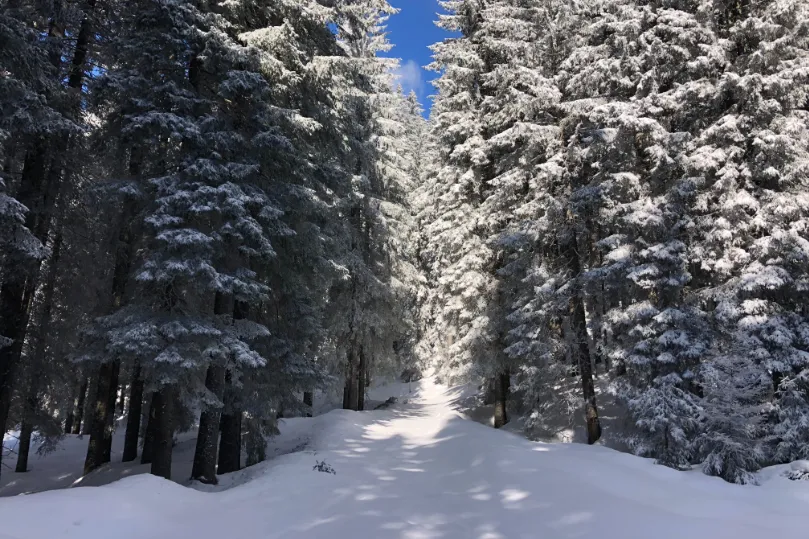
{"type": "Point", "coordinates": [457, 256]}
{"type": "Point", "coordinates": [207, 219]}
{"type": "Point", "coordinates": [374, 322]}
{"type": "Point", "coordinates": [34, 127]}
{"type": "Point", "coordinates": [641, 63]}
{"type": "Point", "coordinates": [751, 159]}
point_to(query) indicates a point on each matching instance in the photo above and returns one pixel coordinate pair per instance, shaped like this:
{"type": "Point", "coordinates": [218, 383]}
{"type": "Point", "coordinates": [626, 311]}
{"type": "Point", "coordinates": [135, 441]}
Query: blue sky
{"type": "Point", "coordinates": [411, 32]}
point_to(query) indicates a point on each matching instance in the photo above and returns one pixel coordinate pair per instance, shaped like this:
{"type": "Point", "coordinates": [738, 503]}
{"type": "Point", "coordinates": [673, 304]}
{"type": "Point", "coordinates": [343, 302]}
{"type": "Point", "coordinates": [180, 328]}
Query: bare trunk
{"type": "Point", "coordinates": [24, 446]}
{"type": "Point", "coordinates": [27, 427]}
{"type": "Point", "coordinates": [97, 446]}
{"type": "Point", "coordinates": [109, 417]}
{"type": "Point", "coordinates": [230, 443]}
{"type": "Point", "coordinates": [361, 372]}
{"type": "Point", "coordinates": [204, 469]}
{"type": "Point", "coordinates": [579, 345]}
{"type": "Point", "coordinates": [501, 390]}
{"type": "Point", "coordinates": [163, 404]}
{"type": "Point", "coordinates": [133, 419]}
{"type": "Point", "coordinates": [149, 438]}
{"type": "Point", "coordinates": [78, 414]}
{"type": "Point", "coordinates": [89, 402]}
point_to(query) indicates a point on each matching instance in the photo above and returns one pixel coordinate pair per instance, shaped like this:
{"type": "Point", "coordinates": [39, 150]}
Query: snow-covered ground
{"type": "Point", "coordinates": [423, 470]}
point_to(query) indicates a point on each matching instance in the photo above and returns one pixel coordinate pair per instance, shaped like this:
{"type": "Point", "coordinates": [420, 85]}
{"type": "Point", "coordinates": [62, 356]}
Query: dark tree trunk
{"type": "Point", "coordinates": [97, 446]}
{"type": "Point", "coordinates": [230, 422]}
{"type": "Point", "coordinates": [133, 419]}
{"type": "Point", "coordinates": [162, 403]}
{"type": "Point", "coordinates": [79, 62]}
{"type": "Point", "coordinates": [579, 346]}
{"type": "Point", "coordinates": [24, 447]}
{"type": "Point", "coordinates": [79, 412]}
{"type": "Point", "coordinates": [308, 400]}
{"type": "Point", "coordinates": [347, 393]}
{"type": "Point", "coordinates": [89, 402]}
{"type": "Point", "coordinates": [361, 372]}
{"type": "Point", "coordinates": [149, 438]}
{"type": "Point", "coordinates": [585, 371]}
{"type": "Point", "coordinates": [27, 427]}
{"type": "Point", "coordinates": [204, 469]}
{"type": "Point", "coordinates": [501, 390]}
{"type": "Point", "coordinates": [230, 444]}
{"type": "Point", "coordinates": [109, 418]}
{"type": "Point", "coordinates": [69, 418]}
{"type": "Point", "coordinates": [350, 397]}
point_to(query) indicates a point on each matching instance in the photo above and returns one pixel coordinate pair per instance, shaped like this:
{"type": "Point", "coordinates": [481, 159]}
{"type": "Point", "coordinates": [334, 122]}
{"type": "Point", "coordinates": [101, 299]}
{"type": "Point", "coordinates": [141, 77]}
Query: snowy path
{"type": "Point", "coordinates": [419, 472]}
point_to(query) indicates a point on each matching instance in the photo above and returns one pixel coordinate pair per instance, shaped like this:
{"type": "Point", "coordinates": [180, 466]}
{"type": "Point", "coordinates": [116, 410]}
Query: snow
{"type": "Point", "coordinates": [423, 470]}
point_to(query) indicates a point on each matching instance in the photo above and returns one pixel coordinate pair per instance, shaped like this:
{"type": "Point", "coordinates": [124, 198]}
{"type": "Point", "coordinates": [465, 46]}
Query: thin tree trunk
{"type": "Point", "coordinates": [350, 398]}
{"type": "Point", "coordinates": [501, 390]}
{"type": "Point", "coordinates": [204, 469]}
{"type": "Point", "coordinates": [27, 427]}
{"type": "Point", "coordinates": [361, 371]}
{"type": "Point", "coordinates": [69, 418]}
{"type": "Point", "coordinates": [149, 438]}
{"type": "Point", "coordinates": [89, 402]}
{"type": "Point", "coordinates": [133, 419]}
{"type": "Point", "coordinates": [79, 412]}
{"type": "Point", "coordinates": [109, 418]}
{"type": "Point", "coordinates": [308, 400]}
{"type": "Point", "coordinates": [580, 348]}
{"type": "Point", "coordinates": [163, 403]}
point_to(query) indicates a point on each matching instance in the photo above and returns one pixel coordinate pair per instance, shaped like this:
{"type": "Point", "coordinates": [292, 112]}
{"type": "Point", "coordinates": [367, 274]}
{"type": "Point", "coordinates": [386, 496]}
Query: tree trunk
{"type": "Point", "coordinates": [347, 393]}
{"type": "Point", "coordinates": [89, 402]}
{"type": "Point", "coordinates": [585, 371]}
{"type": "Point", "coordinates": [361, 371]}
{"type": "Point", "coordinates": [109, 418]}
{"type": "Point", "coordinates": [79, 412]}
{"type": "Point", "coordinates": [27, 427]}
{"type": "Point", "coordinates": [350, 397]}
{"type": "Point", "coordinates": [204, 469]}
{"type": "Point", "coordinates": [579, 346]}
{"type": "Point", "coordinates": [163, 404]}
{"type": "Point", "coordinates": [133, 419]}
{"type": "Point", "coordinates": [69, 418]}
{"type": "Point", "coordinates": [230, 444]}
{"type": "Point", "coordinates": [501, 390]}
{"type": "Point", "coordinates": [97, 447]}
{"type": "Point", "coordinates": [24, 446]}
{"type": "Point", "coordinates": [308, 400]}
{"type": "Point", "coordinates": [149, 438]}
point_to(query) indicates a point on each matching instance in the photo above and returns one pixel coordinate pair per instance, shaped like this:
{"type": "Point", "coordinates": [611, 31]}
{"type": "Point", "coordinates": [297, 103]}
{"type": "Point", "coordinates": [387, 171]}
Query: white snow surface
{"type": "Point", "coordinates": [423, 471]}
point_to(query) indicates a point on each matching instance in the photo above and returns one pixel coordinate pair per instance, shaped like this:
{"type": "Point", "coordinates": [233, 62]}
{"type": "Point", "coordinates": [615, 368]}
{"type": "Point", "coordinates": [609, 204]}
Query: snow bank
{"type": "Point", "coordinates": [424, 471]}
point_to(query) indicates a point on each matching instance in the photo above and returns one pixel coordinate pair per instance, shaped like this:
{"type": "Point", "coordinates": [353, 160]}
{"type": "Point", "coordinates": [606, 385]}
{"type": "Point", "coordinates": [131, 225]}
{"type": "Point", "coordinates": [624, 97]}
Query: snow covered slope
{"type": "Point", "coordinates": [424, 471]}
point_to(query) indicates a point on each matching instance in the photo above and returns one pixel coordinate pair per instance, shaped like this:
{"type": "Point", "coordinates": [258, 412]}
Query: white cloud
{"type": "Point", "coordinates": [409, 76]}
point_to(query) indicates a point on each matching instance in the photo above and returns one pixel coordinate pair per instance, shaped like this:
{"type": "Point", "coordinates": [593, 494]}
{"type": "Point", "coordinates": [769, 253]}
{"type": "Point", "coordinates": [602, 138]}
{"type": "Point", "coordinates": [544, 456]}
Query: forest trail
{"type": "Point", "coordinates": [424, 471]}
